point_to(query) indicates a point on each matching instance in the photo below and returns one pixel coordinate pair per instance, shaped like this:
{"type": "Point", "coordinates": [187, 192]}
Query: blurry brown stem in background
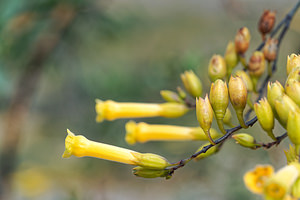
{"type": "Point", "coordinates": [45, 44]}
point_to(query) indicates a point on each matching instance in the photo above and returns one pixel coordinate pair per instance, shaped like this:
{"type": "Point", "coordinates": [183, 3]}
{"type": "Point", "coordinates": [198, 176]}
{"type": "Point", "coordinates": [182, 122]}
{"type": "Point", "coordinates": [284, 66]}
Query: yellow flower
{"type": "Point", "coordinates": [111, 110]}
{"type": "Point", "coordinates": [279, 184]}
{"type": "Point", "coordinates": [80, 146]}
{"type": "Point", "coordinates": [143, 132]}
{"type": "Point", "coordinates": [256, 178]}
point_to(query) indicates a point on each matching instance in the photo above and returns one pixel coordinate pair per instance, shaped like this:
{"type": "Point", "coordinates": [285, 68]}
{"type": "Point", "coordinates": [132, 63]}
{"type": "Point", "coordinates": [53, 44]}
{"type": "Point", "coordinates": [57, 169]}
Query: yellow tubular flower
{"type": "Point", "coordinates": [279, 184]}
{"type": "Point", "coordinates": [111, 110]}
{"type": "Point", "coordinates": [256, 178]}
{"type": "Point", "coordinates": [143, 132]}
{"type": "Point", "coordinates": [80, 146]}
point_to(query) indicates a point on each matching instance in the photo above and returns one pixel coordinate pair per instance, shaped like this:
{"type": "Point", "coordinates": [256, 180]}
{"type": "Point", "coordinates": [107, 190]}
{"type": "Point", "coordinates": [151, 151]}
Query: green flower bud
{"type": "Point", "coordinates": [227, 118]}
{"type": "Point", "coordinates": [246, 79]}
{"type": "Point", "coordinates": [293, 61]}
{"type": "Point", "coordinates": [216, 68]}
{"type": "Point", "coordinates": [219, 101]}
{"type": "Point", "coordinates": [291, 155]}
{"type": "Point", "coordinates": [270, 49]}
{"type": "Point", "coordinates": [275, 91]}
{"type": "Point", "coordinates": [292, 89]}
{"type": "Point", "coordinates": [170, 96]}
{"type": "Point", "coordinates": [245, 140]}
{"type": "Point", "coordinates": [204, 113]}
{"type": "Point", "coordinates": [151, 161]}
{"type": "Point", "coordinates": [192, 83]}
{"type": "Point", "coordinates": [294, 75]}
{"type": "Point", "coordinates": [238, 97]}
{"type": "Point", "coordinates": [265, 116]}
{"type": "Point", "coordinates": [283, 106]}
{"type": "Point", "coordinates": [231, 57]}
{"type": "Point", "coordinates": [293, 126]}
{"type": "Point", "coordinates": [208, 153]}
{"type": "Point", "coordinates": [296, 189]}
{"type": "Point", "coordinates": [242, 39]}
{"type": "Point", "coordinates": [150, 173]}
{"type": "Point", "coordinates": [181, 93]}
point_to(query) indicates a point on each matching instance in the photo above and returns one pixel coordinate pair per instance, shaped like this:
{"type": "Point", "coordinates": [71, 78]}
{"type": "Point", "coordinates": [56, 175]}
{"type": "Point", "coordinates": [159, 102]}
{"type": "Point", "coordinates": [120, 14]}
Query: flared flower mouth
{"type": "Point", "coordinates": [131, 133]}
{"type": "Point", "coordinates": [99, 107]}
{"type": "Point", "coordinates": [68, 144]}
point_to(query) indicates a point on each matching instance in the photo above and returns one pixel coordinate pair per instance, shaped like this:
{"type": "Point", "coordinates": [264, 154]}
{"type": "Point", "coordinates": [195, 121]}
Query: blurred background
{"type": "Point", "coordinates": [57, 57]}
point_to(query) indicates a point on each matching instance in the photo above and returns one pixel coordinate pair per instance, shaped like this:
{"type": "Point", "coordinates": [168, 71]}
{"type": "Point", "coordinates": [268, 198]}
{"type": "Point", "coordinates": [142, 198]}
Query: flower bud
{"type": "Point", "coordinates": [279, 184]}
{"type": "Point", "coordinates": [275, 91]}
{"type": "Point", "coordinates": [296, 189]}
{"type": "Point", "coordinates": [209, 152]}
{"type": "Point", "coordinates": [181, 93]}
{"type": "Point", "coordinates": [255, 179]}
{"type": "Point", "coordinates": [293, 127]}
{"type": "Point", "coordinates": [270, 49]}
{"type": "Point", "coordinates": [294, 75]}
{"type": "Point", "coordinates": [227, 117]}
{"type": "Point", "coordinates": [293, 61]}
{"type": "Point", "coordinates": [231, 57]}
{"type": "Point", "coordinates": [216, 68]}
{"type": "Point", "coordinates": [291, 155]}
{"type": "Point", "coordinates": [238, 97]}
{"type": "Point", "coordinates": [246, 79]}
{"type": "Point", "coordinates": [266, 22]}
{"type": "Point", "coordinates": [150, 161]}
{"type": "Point", "coordinates": [192, 83]}
{"type": "Point", "coordinates": [242, 39]}
{"type": "Point", "coordinates": [245, 140]}
{"type": "Point", "coordinates": [219, 101]}
{"type": "Point", "coordinates": [292, 89]}
{"type": "Point", "coordinates": [265, 116]}
{"type": "Point", "coordinates": [283, 106]}
{"type": "Point", "coordinates": [257, 64]}
{"type": "Point", "coordinates": [170, 96]}
{"type": "Point", "coordinates": [143, 132]}
{"type": "Point", "coordinates": [150, 173]}
{"type": "Point", "coordinates": [204, 114]}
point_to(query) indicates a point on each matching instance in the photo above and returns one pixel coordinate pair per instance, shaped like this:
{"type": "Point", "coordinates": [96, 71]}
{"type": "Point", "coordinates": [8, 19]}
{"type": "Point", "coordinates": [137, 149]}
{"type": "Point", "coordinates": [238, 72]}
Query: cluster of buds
{"type": "Point", "coordinates": [282, 185]}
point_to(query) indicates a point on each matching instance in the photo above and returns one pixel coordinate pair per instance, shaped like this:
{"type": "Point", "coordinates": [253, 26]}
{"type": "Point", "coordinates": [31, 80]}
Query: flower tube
{"type": "Point", "coordinates": [80, 146]}
{"type": "Point", "coordinates": [111, 110]}
{"type": "Point", "coordinates": [143, 132]}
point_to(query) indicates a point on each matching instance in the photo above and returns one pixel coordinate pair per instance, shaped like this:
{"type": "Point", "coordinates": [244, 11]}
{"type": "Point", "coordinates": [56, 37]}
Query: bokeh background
{"type": "Point", "coordinates": [57, 57]}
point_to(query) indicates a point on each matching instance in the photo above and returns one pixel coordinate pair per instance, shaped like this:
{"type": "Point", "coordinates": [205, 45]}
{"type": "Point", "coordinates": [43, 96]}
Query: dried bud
{"type": "Point", "coordinates": [266, 22]}
{"type": "Point", "coordinates": [265, 116]}
{"type": "Point", "coordinates": [219, 101]}
{"type": "Point", "coordinates": [216, 68]}
{"type": "Point", "coordinates": [238, 97]}
{"type": "Point", "coordinates": [293, 61]}
{"type": "Point", "coordinates": [270, 49]}
{"type": "Point", "coordinates": [275, 91]}
{"type": "Point", "coordinates": [231, 57]}
{"type": "Point", "coordinates": [245, 78]}
{"type": "Point", "coordinates": [283, 106]}
{"type": "Point", "coordinates": [257, 64]}
{"type": "Point", "coordinates": [208, 153]}
{"type": "Point", "coordinates": [293, 127]}
{"type": "Point", "coordinates": [150, 173]}
{"type": "Point", "coordinates": [242, 39]}
{"type": "Point", "coordinates": [192, 83]}
{"type": "Point", "coordinates": [292, 89]}
{"type": "Point", "coordinates": [245, 140]}
{"type": "Point", "coordinates": [170, 96]}
{"type": "Point", "coordinates": [204, 114]}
